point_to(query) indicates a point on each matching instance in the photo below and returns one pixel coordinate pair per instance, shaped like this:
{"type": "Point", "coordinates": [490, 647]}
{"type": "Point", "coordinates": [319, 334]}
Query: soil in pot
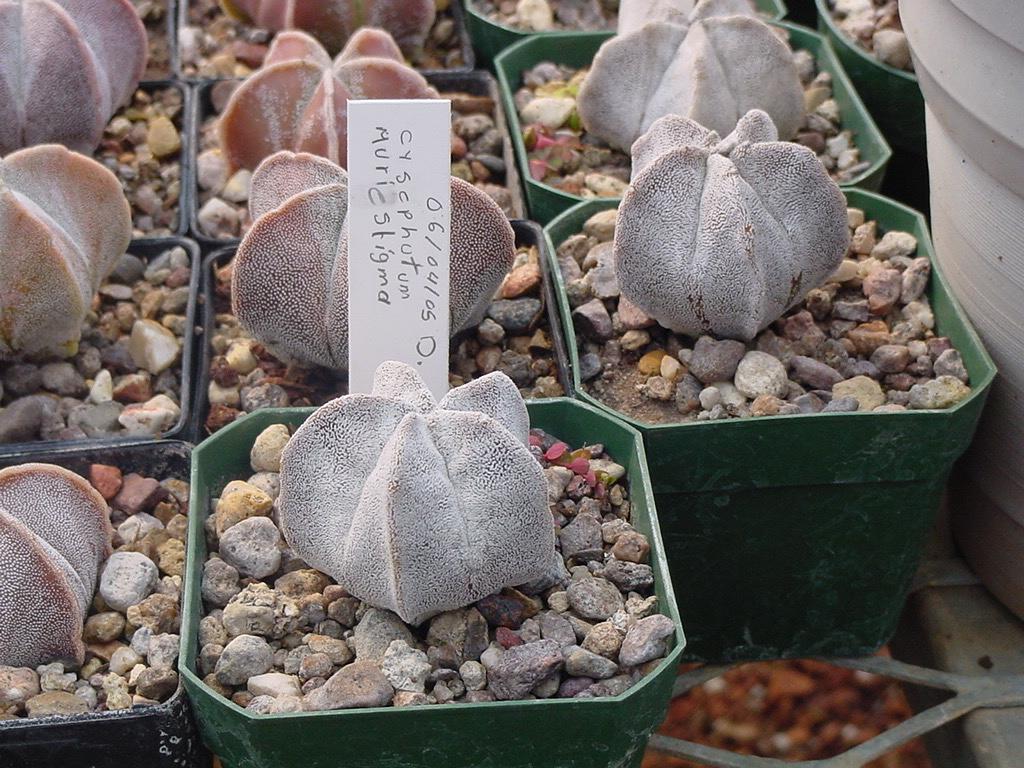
{"type": "Point", "coordinates": [514, 338]}
{"type": "Point", "coordinates": [550, 15]}
{"type": "Point", "coordinates": [126, 378]}
{"type": "Point", "coordinates": [269, 643]}
{"type": "Point", "coordinates": [565, 156]}
{"type": "Point", "coordinates": [478, 152]}
{"type": "Point", "coordinates": [131, 632]}
{"type": "Point", "coordinates": [864, 341]}
{"type": "Point", "coordinates": [155, 14]}
{"type": "Point", "coordinates": [874, 25]}
{"type": "Point", "coordinates": [142, 146]}
{"type": "Point", "coordinates": [213, 45]}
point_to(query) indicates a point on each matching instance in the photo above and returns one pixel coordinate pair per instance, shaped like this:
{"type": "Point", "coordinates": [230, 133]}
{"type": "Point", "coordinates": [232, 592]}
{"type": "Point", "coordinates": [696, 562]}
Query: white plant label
{"type": "Point", "coordinates": [399, 220]}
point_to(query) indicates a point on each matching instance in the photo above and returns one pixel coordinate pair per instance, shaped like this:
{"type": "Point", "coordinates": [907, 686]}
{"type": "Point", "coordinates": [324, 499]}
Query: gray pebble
{"type": "Point", "coordinates": [629, 577]}
{"type": "Point", "coordinates": [244, 657]}
{"type": "Point", "coordinates": [515, 315]}
{"type": "Point", "coordinates": [360, 684]}
{"type": "Point", "coordinates": [847, 404]}
{"type": "Point", "coordinates": [261, 396]}
{"type": "Point", "coordinates": [583, 663]}
{"type": "Point", "coordinates": [22, 379]}
{"type": "Point", "coordinates": [950, 363]}
{"type": "Point", "coordinates": [593, 321]}
{"type": "Point", "coordinates": [518, 670]}
{"type": "Point", "coordinates": [375, 633]}
{"type": "Point", "coordinates": [163, 651]}
{"type": "Point", "coordinates": [63, 379]}
{"type": "Point", "coordinates": [813, 373]}
{"type": "Point", "coordinates": [581, 539]}
{"type": "Point", "coordinates": [590, 366]}
{"type": "Point", "coordinates": [714, 360]}
{"type": "Point", "coordinates": [646, 640]}
{"type": "Point", "coordinates": [24, 418]}
{"type": "Point", "coordinates": [220, 582]}
{"type": "Point", "coordinates": [594, 598]}
{"type": "Point", "coordinates": [759, 373]}
{"type": "Point", "coordinates": [253, 546]}
{"type": "Point", "coordinates": [128, 578]}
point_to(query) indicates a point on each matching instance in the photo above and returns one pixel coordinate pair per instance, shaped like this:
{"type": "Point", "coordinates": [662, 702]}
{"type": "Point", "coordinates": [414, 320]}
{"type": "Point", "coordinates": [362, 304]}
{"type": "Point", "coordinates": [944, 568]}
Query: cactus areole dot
{"type": "Point", "coordinates": [415, 505]}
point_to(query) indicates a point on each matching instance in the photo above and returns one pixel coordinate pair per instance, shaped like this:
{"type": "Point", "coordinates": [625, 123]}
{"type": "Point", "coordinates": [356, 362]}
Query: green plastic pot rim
{"type": "Point", "coordinates": [979, 383]}
{"type": "Point", "coordinates": [825, 14]}
{"type": "Point", "coordinates": [825, 49]}
{"type": "Point", "coordinates": [472, 11]}
{"type": "Point", "coordinates": [671, 610]}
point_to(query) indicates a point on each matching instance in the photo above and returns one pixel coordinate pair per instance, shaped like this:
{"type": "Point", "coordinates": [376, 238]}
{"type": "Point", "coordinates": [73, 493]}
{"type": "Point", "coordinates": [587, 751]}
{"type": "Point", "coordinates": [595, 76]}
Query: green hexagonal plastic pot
{"type": "Point", "coordinates": [554, 733]}
{"type": "Point", "coordinates": [799, 535]}
{"type": "Point", "coordinates": [491, 38]}
{"type": "Point", "coordinates": [578, 50]}
{"type": "Point", "coordinates": [892, 95]}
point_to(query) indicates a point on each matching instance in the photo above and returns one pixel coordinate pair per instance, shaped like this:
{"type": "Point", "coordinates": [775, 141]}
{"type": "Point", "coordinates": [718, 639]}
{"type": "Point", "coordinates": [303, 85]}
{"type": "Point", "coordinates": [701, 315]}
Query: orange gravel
{"type": "Point", "coordinates": [790, 710]}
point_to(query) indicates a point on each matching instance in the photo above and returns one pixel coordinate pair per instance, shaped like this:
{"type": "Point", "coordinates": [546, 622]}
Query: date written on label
{"type": "Point", "coordinates": [399, 221]}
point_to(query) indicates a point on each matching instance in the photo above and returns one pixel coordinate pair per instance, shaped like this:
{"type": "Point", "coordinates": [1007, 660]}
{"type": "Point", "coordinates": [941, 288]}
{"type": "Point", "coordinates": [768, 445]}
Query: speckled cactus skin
{"type": "Point", "coordinates": [54, 534]}
{"type": "Point", "coordinates": [290, 280]}
{"type": "Point", "coordinates": [298, 100]}
{"type": "Point", "coordinates": [634, 14]}
{"type": "Point", "coordinates": [418, 506]}
{"type": "Point", "coordinates": [65, 67]}
{"type": "Point", "coordinates": [333, 21]}
{"type": "Point", "coordinates": [713, 70]}
{"type": "Point", "coordinates": [721, 237]}
{"type": "Point", "coordinates": [64, 223]}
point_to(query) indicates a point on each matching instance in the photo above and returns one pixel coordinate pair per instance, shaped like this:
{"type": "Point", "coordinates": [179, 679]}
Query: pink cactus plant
{"type": "Point", "coordinates": [334, 21]}
{"type": "Point", "coordinates": [64, 223]}
{"type": "Point", "coordinates": [299, 100]}
{"type": "Point", "coordinates": [65, 67]}
{"type": "Point", "coordinates": [54, 534]}
{"type": "Point", "coordinates": [290, 279]}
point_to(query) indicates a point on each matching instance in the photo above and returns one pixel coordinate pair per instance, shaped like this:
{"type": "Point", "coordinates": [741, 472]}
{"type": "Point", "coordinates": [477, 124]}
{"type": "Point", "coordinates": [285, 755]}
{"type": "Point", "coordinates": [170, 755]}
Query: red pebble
{"type": "Point", "coordinates": [507, 638]}
{"type": "Point", "coordinates": [105, 479]}
{"type": "Point", "coordinates": [139, 494]}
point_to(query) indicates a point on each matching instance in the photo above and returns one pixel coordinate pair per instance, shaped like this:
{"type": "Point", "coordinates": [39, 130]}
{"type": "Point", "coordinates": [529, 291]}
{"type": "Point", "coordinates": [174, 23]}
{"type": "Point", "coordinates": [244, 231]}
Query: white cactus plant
{"type": "Point", "coordinates": [414, 505]}
{"type": "Point", "coordinates": [714, 68]}
{"type": "Point", "coordinates": [722, 236]}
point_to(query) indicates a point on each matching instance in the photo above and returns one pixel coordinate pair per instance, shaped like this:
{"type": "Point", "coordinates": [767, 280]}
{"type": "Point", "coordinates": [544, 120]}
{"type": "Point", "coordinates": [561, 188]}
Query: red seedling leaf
{"type": "Point", "coordinates": [580, 466]}
{"type": "Point", "coordinates": [556, 451]}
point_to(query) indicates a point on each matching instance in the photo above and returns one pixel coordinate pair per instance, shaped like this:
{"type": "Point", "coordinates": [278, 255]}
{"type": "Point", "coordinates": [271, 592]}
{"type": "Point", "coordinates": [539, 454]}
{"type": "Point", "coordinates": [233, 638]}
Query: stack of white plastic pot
{"type": "Point", "coordinates": [969, 57]}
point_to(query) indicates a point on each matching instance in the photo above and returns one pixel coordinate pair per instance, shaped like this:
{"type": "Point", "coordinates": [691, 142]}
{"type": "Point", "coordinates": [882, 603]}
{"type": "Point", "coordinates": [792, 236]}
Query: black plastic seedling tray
{"type": "Point", "coordinates": [145, 248]}
{"type": "Point", "coordinates": [527, 234]}
{"type": "Point", "coordinates": [160, 736]}
{"type": "Point", "coordinates": [477, 83]}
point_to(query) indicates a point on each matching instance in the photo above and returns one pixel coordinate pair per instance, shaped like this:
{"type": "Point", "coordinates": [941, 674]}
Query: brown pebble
{"type": "Point", "coordinates": [105, 479]}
